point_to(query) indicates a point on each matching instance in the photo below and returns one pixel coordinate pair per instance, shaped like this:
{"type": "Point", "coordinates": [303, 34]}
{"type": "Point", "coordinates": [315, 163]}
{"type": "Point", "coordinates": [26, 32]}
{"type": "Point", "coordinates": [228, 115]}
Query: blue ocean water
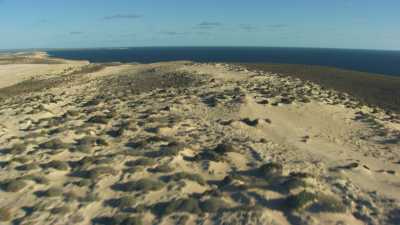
{"type": "Point", "coordinates": [372, 61]}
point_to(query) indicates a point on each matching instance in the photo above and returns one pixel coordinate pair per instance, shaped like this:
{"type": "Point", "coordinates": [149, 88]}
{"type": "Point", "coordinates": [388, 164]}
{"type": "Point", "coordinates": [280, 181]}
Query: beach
{"type": "Point", "coordinates": [194, 143]}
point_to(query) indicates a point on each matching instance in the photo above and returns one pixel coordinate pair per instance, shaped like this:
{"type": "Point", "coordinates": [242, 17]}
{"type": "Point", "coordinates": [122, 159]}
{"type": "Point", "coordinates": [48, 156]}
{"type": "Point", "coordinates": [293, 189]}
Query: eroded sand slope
{"type": "Point", "coordinates": [187, 143]}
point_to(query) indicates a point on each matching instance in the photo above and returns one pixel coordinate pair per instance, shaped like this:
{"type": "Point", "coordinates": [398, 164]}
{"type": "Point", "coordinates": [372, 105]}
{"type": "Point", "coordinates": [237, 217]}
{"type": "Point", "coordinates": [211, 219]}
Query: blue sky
{"type": "Point", "coordinates": [368, 24]}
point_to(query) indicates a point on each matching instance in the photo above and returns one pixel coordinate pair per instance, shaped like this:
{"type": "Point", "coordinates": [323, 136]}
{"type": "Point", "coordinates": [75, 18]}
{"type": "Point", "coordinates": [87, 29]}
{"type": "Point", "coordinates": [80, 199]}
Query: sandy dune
{"type": "Point", "coordinates": [188, 143]}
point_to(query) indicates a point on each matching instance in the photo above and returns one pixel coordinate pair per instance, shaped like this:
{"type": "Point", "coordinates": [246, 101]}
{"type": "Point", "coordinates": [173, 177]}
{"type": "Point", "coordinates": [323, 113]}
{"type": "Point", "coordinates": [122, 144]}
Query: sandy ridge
{"type": "Point", "coordinates": [185, 143]}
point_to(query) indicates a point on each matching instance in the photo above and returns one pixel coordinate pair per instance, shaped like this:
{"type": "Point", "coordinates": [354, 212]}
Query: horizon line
{"type": "Point", "coordinates": [188, 46]}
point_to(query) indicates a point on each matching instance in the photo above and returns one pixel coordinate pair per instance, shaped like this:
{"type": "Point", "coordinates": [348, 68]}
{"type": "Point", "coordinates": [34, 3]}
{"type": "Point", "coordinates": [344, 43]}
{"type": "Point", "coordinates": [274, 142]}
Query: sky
{"type": "Point", "coordinates": [356, 24]}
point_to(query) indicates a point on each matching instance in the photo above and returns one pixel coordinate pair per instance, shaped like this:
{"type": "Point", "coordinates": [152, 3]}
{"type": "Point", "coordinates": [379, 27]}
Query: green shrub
{"type": "Point", "coordinates": [95, 173]}
{"type": "Point", "coordinates": [270, 170]}
{"type": "Point", "coordinates": [54, 144]}
{"type": "Point", "coordinates": [83, 183]}
{"type": "Point", "coordinates": [16, 149]}
{"type": "Point", "coordinates": [163, 152]}
{"type": "Point", "coordinates": [101, 171]}
{"type": "Point", "coordinates": [132, 221]}
{"type": "Point", "coordinates": [51, 193]}
{"type": "Point", "coordinates": [98, 119]}
{"type": "Point", "coordinates": [117, 220]}
{"type": "Point", "coordinates": [136, 169]}
{"type": "Point", "coordinates": [327, 203]}
{"type": "Point", "coordinates": [145, 184]}
{"type": "Point", "coordinates": [124, 202]}
{"type": "Point", "coordinates": [61, 210]}
{"type": "Point", "coordinates": [56, 164]}
{"type": "Point", "coordinates": [301, 200]}
{"type": "Point", "coordinates": [115, 132]}
{"type": "Point", "coordinates": [39, 179]}
{"type": "Point", "coordinates": [161, 169]}
{"type": "Point", "coordinates": [182, 219]}
{"type": "Point", "coordinates": [27, 167]}
{"type": "Point", "coordinates": [186, 176]}
{"type": "Point", "coordinates": [13, 185]}
{"type": "Point", "coordinates": [5, 214]}
{"type": "Point", "coordinates": [209, 155]}
{"type": "Point", "coordinates": [292, 183]}
{"type": "Point", "coordinates": [86, 144]}
{"type": "Point", "coordinates": [22, 159]}
{"type": "Point", "coordinates": [71, 196]}
{"type": "Point", "coordinates": [225, 148]}
{"type": "Point", "coordinates": [250, 122]}
{"type": "Point", "coordinates": [141, 162]}
{"type": "Point", "coordinates": [213, 205]}
{"type": "Point", "coordinates": [189, 205]}
{"type": "Point", "coordinates": [90, 197]}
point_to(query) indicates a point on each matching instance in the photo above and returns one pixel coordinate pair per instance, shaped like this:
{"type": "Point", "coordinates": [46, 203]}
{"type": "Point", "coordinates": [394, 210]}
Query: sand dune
{"type": "Point", "coordinates": [189, 143]}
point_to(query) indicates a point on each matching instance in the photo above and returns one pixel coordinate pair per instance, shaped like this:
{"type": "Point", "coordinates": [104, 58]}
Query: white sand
{"type": "Point", "coordinates": [345, 158]}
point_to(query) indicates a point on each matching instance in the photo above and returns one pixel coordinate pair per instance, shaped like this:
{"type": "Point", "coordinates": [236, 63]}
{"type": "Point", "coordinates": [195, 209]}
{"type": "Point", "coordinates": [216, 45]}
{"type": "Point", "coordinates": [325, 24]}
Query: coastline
{"type": "Point", "coordinates": [181, 141]}
{"type": "Point", "coordinates": [372, 89]}
{"type": "Point", "coordinates": [371, 61]}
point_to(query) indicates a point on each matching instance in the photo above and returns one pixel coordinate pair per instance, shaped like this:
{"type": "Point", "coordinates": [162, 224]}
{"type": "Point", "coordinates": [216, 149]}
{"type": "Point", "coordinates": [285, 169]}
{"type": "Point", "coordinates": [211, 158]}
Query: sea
{"type": "Point", "coordinates": [371, 61]}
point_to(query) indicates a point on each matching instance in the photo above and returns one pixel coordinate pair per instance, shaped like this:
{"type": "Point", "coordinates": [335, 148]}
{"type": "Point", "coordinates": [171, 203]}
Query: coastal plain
{"type": "Point", "coordinates": [189, 143]}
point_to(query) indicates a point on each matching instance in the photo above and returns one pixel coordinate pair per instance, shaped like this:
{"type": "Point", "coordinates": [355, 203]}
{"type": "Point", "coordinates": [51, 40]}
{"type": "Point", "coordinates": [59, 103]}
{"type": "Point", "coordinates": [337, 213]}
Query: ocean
{"type": "Point", "coordinates": [371, 61]}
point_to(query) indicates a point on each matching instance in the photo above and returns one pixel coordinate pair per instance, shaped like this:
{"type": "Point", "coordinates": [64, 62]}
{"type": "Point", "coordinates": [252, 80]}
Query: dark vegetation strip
{"type": "Point", "coordinates": [36, 85]}
{"type": "Point", "coordinates": [372, 89]}
{"type": "Point", "coordinates": [27, 60]}
{"type": "Point", "coordinates": [148, 80]}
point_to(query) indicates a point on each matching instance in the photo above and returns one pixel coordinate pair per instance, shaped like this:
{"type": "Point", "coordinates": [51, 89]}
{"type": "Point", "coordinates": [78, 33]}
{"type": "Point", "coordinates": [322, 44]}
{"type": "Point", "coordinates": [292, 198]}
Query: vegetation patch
{"type": "Point", "coordinates": [136, 144]}
{"type": "Point", "coordinates": [163, 152]}
{"type": "Point", "coordinates": [5, 214]}
{"type": "Point", "coordinates": [141, 162]}
{"type": "Point", "coordinates": [54, 144]}
{"type": "Point", "coordinates": [161, 169]}
{"type": "Point", "coordinates": [292, 183]}
{"type": "Point", "coordinates": [83, 183]}
{"type": "Point", "coordinates": [189, 205]}
{"type": "Point", "coordinates": [16, 149]}
{"type": "Point", "coordinates": [115, 132]}
{"type": "Point", "coordinates": [224, 148]}
{"type": "Point", "coordinates": [147, 81]}
{"type": "Point", "coordinates": [13, 185]}
{"type": "Point", "coordinates": [39, 179]}
{"type": "Point", "coordinates": [373, 89]}
{"type": "Point", "coordinates": [98, 119]}
{"type": "Point", "coordinates": [145, 184]}
{"type": "Point", "coordinates": [89, 198]}
{"type": "Point", "coordinates": [327, 203]}
{"type": "Point", "coordinates": [300, 201]}
{"type": "Point", "coordinates": [56, 164]}
{"type": "Point", "coordinates": [123, 203]}
{"type": "Point", "coordinates": [117, 220]}
{"type": "Point", "coordinates": [250, 122]}
{"type": "Point", "coordinates": [27, 167]}
{"type": "Point", "coordinates": [213, 205]}
{"type": "Point", "coordinates": [92, 141]}
{"type": "Point", "coordinates": [96, 173]}
{"type": "Point", "coordinates": [185, 176]}
{"type": "Point", "coordinates": [30, 86]}
{"type": "Point", "coordinates": [270, 170]}
{"type": "Point", "coordinates": [209, 155]}
{"type": "Point", "coordinates": [22, 159]}
{"type": "Point", "coordinates": [50, 193]}
{"type": "Point", "coordinates": [63, 210]}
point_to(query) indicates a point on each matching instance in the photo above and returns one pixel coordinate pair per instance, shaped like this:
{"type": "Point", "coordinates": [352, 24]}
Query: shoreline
{"type": "Point", "coordinates": [383, 62]}
{"type": "Point", "coordinates": [375, 90]}
{"type": "Point", "coordinates": [372, 89]}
